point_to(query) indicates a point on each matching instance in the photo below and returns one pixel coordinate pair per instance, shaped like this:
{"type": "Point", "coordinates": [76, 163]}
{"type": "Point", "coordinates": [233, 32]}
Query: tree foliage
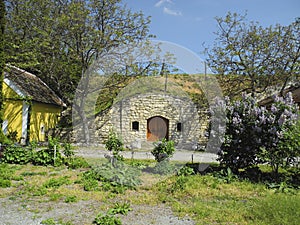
{"type": "Point", "coordinates": [2, 58]}
{"type": "Point", "coordinates": [252, 57]}
{"type": "Point", "coordinates": [255, 134]}
{"type": "Point", "coordinates": [59, 40]}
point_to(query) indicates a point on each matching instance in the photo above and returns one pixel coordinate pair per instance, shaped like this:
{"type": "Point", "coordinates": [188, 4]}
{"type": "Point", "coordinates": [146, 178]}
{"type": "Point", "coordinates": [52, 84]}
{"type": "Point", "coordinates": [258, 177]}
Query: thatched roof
{"type": "Point", "coordinates": [32, 87]}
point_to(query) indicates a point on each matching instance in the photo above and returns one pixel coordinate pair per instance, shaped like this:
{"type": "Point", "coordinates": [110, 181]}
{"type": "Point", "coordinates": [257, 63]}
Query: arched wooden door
{"type": "Point", "coordinates": [157, 128]}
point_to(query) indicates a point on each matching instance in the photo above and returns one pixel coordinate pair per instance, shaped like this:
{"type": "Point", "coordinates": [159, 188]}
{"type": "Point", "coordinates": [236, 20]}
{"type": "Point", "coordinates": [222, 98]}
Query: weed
{"type": "Point", "coordinates": [17, 154]}
{"type": "Point", "coordinates": [70, 199]}
{"type": "Point", "coordinates": [109, 218]}
{"type": "Point", "coordinates": [122, 208]}
{"type": "Point", "coordinates": [56, 182]}
{"type": "Point", "coordinates": [68, 150]}
{"type": "Point", "coordinates": [49, 221]}
{"type": "Point", "coordinates": [76, 163]}
{"type": "Point", "coordinates": [119, 174]}
{"type": "Point", "coordinates": [5, 183]}
{"type": "Point", "coordinates": [164, 168]}
{"type": "Point", "coordinates": [90, 185]}
{"type": "Point", "coordinates": [226, 175]}
{"type": "Point", "coordinates": [102, 219]}
{"type": "Point", "coordinates": [185, 171]}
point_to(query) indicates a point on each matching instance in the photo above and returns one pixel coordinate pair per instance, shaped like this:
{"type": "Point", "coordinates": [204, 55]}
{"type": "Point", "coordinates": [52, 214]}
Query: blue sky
{"type": "Point", "coordinates": [190, 23]}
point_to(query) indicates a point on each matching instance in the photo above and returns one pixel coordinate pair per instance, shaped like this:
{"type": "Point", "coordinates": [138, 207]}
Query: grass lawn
{"type": "Point", "coordinates": [207, 199]}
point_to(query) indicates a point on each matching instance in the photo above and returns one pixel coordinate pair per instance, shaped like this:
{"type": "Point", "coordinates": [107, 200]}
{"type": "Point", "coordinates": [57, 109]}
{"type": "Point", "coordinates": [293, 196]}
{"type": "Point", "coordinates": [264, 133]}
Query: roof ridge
{"type": "Point", "coordinates": [25, 73]}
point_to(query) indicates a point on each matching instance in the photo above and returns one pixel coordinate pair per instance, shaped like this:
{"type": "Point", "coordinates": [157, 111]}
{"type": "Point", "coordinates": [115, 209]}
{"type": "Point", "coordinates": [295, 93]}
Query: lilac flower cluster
{"type": "Point", "coordinates": [253, 132]}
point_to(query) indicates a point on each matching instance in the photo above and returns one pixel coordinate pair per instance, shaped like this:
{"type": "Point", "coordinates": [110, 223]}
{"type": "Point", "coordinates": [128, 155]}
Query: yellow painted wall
{"type": "Point", "coordinates": [42, 115]}
{"type": "Point", "coordinates": [12, 111]}
{"type": "Point", "coordinates": [8, 92]}
{"type": "Point", "coordinates": [13, 114]}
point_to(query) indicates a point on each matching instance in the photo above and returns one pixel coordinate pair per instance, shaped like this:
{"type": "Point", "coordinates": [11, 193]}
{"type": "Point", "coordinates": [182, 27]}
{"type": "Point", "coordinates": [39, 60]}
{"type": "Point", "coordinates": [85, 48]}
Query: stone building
{"type": "Point", "coordinates": [143, 118]}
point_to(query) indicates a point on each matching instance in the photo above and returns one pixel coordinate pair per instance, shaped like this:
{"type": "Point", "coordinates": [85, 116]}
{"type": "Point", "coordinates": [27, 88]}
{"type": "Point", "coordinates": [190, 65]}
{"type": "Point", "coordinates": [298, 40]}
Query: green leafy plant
{"type": "Point", "coordinates": [50, 155]}
{"type": "Point", "coordinates": [45, 157]}
{"type": "Point", "coordinates": [120, 208]}
{"type": "Point", "coordinates": [56, 182]}
{"type": "Point", "coordinates": [68, 150]}
{"type": "Point", "coordinates": [106, 219]}
{"type": "Point", "coordinates": [76, 163]}
{"type": "Point", "coordinates": [255, 134]}
{"type": "Point", "coordinates": [115, 145]}
{"type": "Point", "coordinates": [70, 199]}
{"type": "Point", "coordinates": [49, 221]}
{"type": "Point", "coordinates": [226, 175]}
{"type": "Point", "coordinates": [119, 174]}
{"type": "Point", "coordinates": [185, 171]}
{"type": "Point", "coordinates": [164, 168]}
{"type": "Point", "coordinates": [17, 154]}
{"type": "Point", "coordinates": [4, 183]}
{"type": "Point", "coordinates": [163, 150]}
{"type": "Point", "coordinates": [109, 218]}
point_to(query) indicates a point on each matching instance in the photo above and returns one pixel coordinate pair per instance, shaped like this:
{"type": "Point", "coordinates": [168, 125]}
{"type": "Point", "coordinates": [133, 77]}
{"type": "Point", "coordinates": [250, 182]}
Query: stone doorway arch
{"type": "Point", "coordinates": [157, 128]}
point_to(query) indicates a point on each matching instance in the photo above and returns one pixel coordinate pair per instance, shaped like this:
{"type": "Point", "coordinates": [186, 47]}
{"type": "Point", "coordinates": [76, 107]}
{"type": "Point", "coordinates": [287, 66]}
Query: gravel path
{"type": "Point", "coordinates": [15, 211]}
{"type": "Point", "coordinates": [185, 156]}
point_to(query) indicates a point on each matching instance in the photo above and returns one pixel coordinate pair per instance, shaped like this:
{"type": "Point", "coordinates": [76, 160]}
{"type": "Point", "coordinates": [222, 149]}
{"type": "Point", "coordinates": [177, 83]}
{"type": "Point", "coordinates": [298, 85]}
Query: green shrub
{"type": "Point", "coordinates": [164, 168]}
{"type": "Point", "coordinates": [255, 134]}
{"type": "Point", "coordinates": [90, 185]}
{"type": "Point", "coordinates": [115, 178]}
{"type": "Point", "coordinates": [185, 171]}
{"type": "Point", "coordinates": [4, 183]}
{"type": "Point", "coordinates": [17, 154]}
{"type": "Point", "coordinates": [46, 157]}
{"type": "Point", "coordinates": [115, 145]}
{"type": "Point", "coordinates": [163, 150]}
{"type": "Point", "coordinates": [119, 174]}
{"type": "Point", "coordinates": [76, 163]}
{"type": "Point", "coordinates": [68, 150]}
{"type": "Point", "coordinates": [289, 146]}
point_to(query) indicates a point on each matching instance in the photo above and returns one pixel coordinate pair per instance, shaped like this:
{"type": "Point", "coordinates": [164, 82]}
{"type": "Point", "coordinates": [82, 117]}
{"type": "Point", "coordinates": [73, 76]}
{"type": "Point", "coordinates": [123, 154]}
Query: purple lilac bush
{"type": "Point", "coordinates": [255, 134]}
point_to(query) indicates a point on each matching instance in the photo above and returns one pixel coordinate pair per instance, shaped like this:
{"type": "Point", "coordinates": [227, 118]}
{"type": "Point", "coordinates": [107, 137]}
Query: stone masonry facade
{"type": "Point", "coordinates": [129, 118]}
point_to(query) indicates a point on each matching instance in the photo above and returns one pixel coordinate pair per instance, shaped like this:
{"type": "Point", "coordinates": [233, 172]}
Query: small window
{"type": "Point", "coordinates": [42, 129]}
{"type": "Point", "coordinates": [179, 127]}
{"type": "Point", "coordinates": [135, 125]}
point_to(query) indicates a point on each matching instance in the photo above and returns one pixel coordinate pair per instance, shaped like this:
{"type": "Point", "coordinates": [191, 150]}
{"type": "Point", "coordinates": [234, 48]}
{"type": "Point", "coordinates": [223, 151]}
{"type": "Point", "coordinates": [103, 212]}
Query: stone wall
{"type": "Point", "coordinates": [140, 108]}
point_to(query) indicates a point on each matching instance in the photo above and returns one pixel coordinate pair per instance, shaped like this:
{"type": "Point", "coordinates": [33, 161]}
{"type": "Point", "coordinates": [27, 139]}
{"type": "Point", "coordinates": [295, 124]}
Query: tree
{"type": "Point", "coordinates": [256, 135]}
{"type": "Point", "coordinates": [251, 58]}
{"type": "Point", "coordinates": [60, 40]}
{"type": "Point", "coordinates": [2, 56]}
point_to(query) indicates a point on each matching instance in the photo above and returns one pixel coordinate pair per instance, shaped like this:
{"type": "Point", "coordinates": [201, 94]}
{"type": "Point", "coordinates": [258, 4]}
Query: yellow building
{"type": "Point", "coordinates": [31, 108]}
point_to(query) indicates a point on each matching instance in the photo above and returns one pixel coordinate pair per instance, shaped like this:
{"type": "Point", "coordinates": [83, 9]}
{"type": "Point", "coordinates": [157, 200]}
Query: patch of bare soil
{"type": "Point", "coordinates": [16, 212]}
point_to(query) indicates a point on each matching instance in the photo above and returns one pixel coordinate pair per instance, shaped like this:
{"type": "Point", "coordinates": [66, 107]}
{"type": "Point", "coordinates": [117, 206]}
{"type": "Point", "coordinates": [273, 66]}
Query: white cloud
{"type": "Point", "coordinates": [161, 2]}
{"type": "Point", "coordinates": [172, 12]}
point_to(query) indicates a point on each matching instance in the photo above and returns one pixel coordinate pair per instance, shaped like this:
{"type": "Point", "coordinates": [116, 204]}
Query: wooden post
{"type": "Point", "coordinates": [54, 154]}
